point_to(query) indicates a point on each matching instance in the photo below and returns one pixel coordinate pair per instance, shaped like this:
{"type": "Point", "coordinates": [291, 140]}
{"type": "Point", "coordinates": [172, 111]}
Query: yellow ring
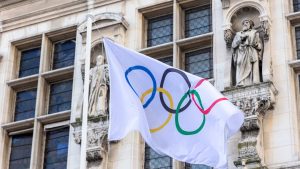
{"type": "Point", "coordinates": [153, 130]}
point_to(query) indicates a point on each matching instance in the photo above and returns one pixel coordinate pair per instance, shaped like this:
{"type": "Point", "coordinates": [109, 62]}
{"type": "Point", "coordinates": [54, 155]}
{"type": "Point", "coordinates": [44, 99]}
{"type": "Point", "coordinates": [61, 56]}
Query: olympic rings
{"type": "Point", "coordinates": [146, 70]}
{"type": "Point", "coordinates": [161, 90]}
{"type": "Point", "coordinates": [179, 107]}
{"type": "Point", "coordinates": [180, 130]}
{"type": "Point", "coordinates": [184, 76]}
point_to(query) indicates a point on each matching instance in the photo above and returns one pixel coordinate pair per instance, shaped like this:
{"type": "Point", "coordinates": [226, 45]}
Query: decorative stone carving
{"type": "Point", "coordinates": [96, 138]}
{"type": "Point", "coordinates": [255, 101]}
{"type": "Point", "coordinates": [225, 4]}
{"type": "Point", "coordinates": [247, 52]}
{"type": "Point", "coordinates": [265, 26]}
{"type": "Point", "coordinates": [228, 37]}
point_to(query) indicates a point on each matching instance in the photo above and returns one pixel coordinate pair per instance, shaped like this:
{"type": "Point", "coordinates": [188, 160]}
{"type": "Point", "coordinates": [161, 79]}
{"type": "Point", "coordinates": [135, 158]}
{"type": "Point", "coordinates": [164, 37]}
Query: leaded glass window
{"type": "Point", "coordinates": [167, 60]}
{"type": "Point", "coordinates": [64, 53]}
{"type": "Point", "coordinates": [196, 166]}
{"type": "Point", "coordinates": [25, 104]}
{"type": "Point", "coordinates": [198, 21]}
{"type": "Point", "coordinates": [297, 31]}
{"type": "Point", "coordinates": [154, 160]}
{"type": "Point", "coordinates": [296, 4]}
{"type": "Point", "coordinates": [56, 150]}
{"type": "Point", "coordinates": [20, 151]}
{"type": "Point", "coordinates": [200, 63]}
{"type": "Point", "coordinates": [60, 97]}
{"type": "Point", "coordinates": [30, 62]}
{"type": "Point", "coordinates": [160, 30]}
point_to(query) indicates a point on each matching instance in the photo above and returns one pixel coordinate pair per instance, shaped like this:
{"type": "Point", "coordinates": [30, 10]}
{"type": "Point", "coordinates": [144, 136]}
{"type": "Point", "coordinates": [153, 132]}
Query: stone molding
{"type": "Point", "coordinates": [255, 100]}
{"type": "Point", "coordinates": [50, 13]}
{"type": "Point", "coordinates": [117, 18]}
{"type": "Point", "coordinates": [8, 4]}
{"type": "Point", "coordinates": [96, 138]}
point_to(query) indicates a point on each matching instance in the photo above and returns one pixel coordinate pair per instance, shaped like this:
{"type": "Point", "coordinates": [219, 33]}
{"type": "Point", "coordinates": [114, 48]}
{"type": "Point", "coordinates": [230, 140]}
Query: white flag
{"type": "Point", "coordinates": [177, 113]}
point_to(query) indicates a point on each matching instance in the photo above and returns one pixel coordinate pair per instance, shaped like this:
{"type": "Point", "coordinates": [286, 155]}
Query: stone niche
{"type": "Point", "coordinates": [255, 101]}
{"type": "Point", "coordinates": [259, 14]}
{"type": "Point", "coordinates": [113, 26]}
{"type": "Point", "coordinates": [249, 85]}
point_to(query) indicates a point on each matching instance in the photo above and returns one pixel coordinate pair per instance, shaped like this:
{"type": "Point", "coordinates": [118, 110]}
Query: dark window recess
{"type": "Point", "coordinates": [196, 166]}
{"type": "Point", "coordinates": [64, 53]}
{"type": "Point", "coordinates": [296, 4]}
{"type": "Point", "coordinates": [56, 150]}
{"type": "Point", "coordinates": [20, 151]}
{"type": "Point", "coordinates": [60, 97]}
{"type": "Point", "coordinates": [160, 30]}
{"type": "Point", "coordinates": [200, 63]}
{"type": "Point", "coordinates": [198, 21]}
{"type": "Point", "coordinates": [154, 160]}
{"type": "Point", "coordinates": [25, 105]}
{"type": "Point", "coordinates": [167, 60]}
{"type": "Point", "coordinates": [297, 31]}
{"type": "Point", "coordinates": [30, 62]}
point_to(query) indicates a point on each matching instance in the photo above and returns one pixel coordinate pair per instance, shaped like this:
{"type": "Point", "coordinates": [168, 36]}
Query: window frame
{"type": "Point", "coordinates": [51, 64]}
{"type": "Point", "coordinates": [49, 95]}
{"type": "Point", "coordinates": [183, 66]}
{"type": "Point", "coordinates": [203, 6]}
{"type": "Point", "coordinates": [147, 29]}
{"type": "Point", "coordinates": [53, 127]}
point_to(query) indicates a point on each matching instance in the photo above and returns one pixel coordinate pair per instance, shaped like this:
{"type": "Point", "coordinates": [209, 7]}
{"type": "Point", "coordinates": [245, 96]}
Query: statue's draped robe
{"type": "Point", "coordinates": [98, 91]}
{"type": "Point", "coordinates": [246, 56]}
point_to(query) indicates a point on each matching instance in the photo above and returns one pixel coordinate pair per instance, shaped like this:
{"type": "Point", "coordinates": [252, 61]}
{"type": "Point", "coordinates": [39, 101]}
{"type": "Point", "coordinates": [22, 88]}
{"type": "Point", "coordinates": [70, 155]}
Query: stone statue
{"type": "Point", "coordinates": [247, 51]}
{"type": "Point", "coordinates": [99, 82]}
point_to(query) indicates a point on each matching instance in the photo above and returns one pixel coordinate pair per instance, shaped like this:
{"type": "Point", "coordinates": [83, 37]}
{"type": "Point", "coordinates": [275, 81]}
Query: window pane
{"type": "Point", "coordinates": [160, 30]}
{"type": "Point", "coordinates": [198, 21]}
{"type": "Point", "coordinates": [154, 160]}
{"type": "Point", "coordinates": [60, 97]}
{"type": "Point", "coordinates": [296, 4]}
{"type": "Point", "coordinates": [196, 166]}
{"type": "Point", "coordinates": [25, 105]}
{"type": "Point", "coordinates": [167, 60]}
{"type": "Point", "coordinates": [56, 150]}
{"type": "Point", "coordinates": [20, 151]}
{"type": "Point", "coordinates": [30, 62]}
{"type": "Point", "coordinates": [64, 53]}
{"type": "Point", "coordinates": [297, 31]}
{"type": "Point", "coordinates": [200, 63]}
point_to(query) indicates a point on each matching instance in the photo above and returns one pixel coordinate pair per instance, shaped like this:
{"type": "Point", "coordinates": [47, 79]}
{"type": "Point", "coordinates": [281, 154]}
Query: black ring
{"type": "Point", "coordinates": [162, 86]}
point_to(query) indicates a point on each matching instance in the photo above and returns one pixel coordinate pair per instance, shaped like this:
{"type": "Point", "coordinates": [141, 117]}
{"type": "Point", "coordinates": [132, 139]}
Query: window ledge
{"type": "Point", "coordinates": [59, 74]}
{"type": "Point", "coordinates": [24, 82]}
{"type": "Point", "coordinates": [293, 17]}
{"type": "Point", "coordinates": [55, 117]}
{"type": "Point", "coordinates": [18, 125]}
{"type": "Point", "coordinates": [195, 42]}
{"type": "Point", "coordinates": [294, 64]}
{"type": "Point", "coordinates": [198, 38]}
{"type": "Point", "coordinates": [157, 48]}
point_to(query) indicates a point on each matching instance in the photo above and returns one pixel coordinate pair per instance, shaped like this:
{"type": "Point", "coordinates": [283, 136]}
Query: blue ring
{"type": "Point", "coordinates": [146, 70]}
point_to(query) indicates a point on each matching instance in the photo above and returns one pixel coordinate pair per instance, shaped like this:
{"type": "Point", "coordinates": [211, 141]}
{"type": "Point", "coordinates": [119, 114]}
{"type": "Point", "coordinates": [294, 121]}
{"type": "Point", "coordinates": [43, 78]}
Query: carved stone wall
{"type": "Point", "coordinates": [255, 101]}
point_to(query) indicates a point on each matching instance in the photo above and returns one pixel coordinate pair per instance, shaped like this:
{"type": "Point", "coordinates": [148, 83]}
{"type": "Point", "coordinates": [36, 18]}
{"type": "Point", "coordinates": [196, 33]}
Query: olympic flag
{"type": "Point", "coordinates": [177, 113]}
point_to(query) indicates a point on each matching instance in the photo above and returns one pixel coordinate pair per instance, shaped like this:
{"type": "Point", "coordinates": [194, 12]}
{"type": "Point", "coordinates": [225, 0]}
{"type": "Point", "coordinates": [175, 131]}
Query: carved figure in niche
{"type": "Point", "coordinates": [99, 82]}
{"type": "Point", "coordinates": [247, 51]}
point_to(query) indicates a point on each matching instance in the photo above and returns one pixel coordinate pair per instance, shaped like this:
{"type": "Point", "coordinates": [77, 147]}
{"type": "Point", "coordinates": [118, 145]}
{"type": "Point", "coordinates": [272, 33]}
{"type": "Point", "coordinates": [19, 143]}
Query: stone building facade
{"type": "Point", "coordinates": [43, 46]}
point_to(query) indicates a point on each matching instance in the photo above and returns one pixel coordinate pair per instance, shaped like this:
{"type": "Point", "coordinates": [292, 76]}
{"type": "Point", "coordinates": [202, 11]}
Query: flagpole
{"type": "Point", "coordinates": [86, 92]}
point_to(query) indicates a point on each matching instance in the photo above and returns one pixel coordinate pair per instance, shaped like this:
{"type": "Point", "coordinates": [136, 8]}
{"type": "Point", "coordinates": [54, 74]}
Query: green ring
{"type": "Point", "coordinates": [180, 130]}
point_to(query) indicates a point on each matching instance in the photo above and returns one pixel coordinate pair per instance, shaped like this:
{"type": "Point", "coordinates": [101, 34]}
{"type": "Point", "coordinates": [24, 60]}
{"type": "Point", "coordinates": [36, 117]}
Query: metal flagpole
{"type": "Point", "coordinates": [86, 92]}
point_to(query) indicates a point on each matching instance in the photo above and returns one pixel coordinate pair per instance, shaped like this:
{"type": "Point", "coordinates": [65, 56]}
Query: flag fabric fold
{"type": "Point", "coordinates": [177, 113]}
